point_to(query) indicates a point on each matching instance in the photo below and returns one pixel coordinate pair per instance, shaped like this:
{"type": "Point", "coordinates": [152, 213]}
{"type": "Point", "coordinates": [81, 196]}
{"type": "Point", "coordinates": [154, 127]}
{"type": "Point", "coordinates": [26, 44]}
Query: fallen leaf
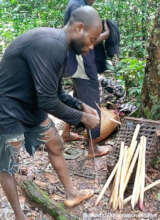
{"type": "Point", "coordinates": [41, 184]}
{"type": "Point", "coordinates": [50, 177]}
{"type": "Point", "coordinates": [56, 197]}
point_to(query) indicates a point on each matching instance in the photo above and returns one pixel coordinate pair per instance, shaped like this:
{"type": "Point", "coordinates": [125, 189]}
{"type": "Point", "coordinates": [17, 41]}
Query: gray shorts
{"type": "Point", "coordinates": [30, 139]}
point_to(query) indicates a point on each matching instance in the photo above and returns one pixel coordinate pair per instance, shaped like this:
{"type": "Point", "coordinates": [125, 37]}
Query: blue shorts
{"type": "Point", "coordinates": [30, 139]}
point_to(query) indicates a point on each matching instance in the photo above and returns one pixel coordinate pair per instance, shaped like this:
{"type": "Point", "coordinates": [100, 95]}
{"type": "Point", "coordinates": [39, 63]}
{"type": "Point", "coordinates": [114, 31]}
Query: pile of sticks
{"type": "Point", "coordinates": [122, 173]}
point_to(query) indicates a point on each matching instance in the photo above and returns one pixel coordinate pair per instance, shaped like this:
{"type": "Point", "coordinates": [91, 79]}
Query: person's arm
{"type": "Point", "coordinates": [46, 59]}
{"type": "Point", "coordinates": [75, 103]}
{"type": "Point", "coordinates": [104, 35]}
{"type": "Point", "coordinates": [68, 99]}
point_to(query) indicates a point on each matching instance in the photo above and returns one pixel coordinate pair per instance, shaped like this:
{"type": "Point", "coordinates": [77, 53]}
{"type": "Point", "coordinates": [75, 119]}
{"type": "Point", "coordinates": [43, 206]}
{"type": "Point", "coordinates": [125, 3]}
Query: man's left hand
{"type": "Point", "coordinates": [86, 108]}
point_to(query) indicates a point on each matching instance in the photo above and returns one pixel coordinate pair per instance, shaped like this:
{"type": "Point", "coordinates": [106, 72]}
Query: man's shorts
{"type": "Point", "coordinates": [30, 139]}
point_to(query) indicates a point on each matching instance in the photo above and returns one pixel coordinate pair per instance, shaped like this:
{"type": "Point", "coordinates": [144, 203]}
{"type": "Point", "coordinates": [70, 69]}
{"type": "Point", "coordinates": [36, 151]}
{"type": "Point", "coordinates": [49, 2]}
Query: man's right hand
{"type": "Point", "coordinates": [90, 120]}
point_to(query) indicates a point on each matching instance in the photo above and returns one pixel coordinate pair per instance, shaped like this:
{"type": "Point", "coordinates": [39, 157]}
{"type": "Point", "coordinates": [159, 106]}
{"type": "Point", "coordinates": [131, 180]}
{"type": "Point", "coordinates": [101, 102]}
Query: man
{"type": "Point", "coordinates": [85, 82]}
{"type": "Point", "coordinates": [30, 75]}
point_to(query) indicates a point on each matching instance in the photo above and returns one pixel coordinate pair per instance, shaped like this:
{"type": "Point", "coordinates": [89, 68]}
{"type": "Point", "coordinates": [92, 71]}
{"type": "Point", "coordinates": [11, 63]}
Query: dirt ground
{"type": "Point", "coordinates": [83, 173]}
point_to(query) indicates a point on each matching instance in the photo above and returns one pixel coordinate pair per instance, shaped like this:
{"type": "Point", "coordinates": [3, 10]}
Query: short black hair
{"type": "Point", "coordinates": [85, 14]}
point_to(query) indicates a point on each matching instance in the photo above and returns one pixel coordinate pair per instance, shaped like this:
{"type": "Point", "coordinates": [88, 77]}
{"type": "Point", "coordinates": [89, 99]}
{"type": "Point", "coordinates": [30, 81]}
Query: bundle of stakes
{"type": "Point", "coordinates": [130, 157]}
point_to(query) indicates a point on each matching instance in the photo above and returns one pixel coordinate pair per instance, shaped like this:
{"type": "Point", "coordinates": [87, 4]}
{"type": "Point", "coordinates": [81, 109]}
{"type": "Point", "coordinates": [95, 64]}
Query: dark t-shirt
{"type": "Point", "coordinates": [72, 5]}
{"type": "Point", "coordinates": [30, 81]}
{"type": "Point", "coordinates": [89, 58]}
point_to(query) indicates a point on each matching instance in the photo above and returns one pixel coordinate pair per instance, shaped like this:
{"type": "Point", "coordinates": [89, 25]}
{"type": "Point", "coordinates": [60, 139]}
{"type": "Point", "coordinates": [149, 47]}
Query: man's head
{"type": "Point", "coordinates": [90, 2]}
{"type": "Point", "coordinates": [84, 27]}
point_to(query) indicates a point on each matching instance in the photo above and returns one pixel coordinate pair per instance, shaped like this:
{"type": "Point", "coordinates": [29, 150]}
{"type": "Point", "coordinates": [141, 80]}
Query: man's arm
{"type": "Point", "coordinates": [46, 59]}
{"type": "Point", "coordinates": [68, 99]}
{"type": "Point", "coordinates": [104, 35]}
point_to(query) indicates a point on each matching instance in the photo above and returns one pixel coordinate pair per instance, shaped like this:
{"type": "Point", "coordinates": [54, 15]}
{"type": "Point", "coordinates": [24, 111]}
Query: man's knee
{"type": "Point", "coordinates": [54, 143]}
{"type": "Point", "coordinates": [16, 144]}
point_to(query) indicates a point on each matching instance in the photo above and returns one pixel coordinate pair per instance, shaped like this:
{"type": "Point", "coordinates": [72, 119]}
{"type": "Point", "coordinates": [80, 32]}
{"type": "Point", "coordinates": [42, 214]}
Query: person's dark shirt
{"type": "Point", "coordinates": [30, 81]}
{"type": "Point", "coordinates": [72, 5]}
{"type": "Point", "coordinates": [89, 58]}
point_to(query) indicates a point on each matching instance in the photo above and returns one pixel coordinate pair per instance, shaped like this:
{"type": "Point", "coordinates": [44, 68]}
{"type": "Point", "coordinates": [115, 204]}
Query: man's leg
{"type": "Point", "coordinates": [96, 151]}
{"type": "Point", "coordinates": [8, 184]}
{"type": "Point", "coordinates": [54, 146]}
{"type": "Point", "coordinates": [91, 97]}
{"type": "Point", "coordinates": [68, 136]}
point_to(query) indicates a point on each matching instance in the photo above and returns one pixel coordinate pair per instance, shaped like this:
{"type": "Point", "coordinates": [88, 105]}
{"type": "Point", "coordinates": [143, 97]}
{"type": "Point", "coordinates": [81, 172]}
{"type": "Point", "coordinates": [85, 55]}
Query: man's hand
{"type": "Point", "coordinates": [87, 109]}
{"type": "Point", "coordinates": [90, 120]}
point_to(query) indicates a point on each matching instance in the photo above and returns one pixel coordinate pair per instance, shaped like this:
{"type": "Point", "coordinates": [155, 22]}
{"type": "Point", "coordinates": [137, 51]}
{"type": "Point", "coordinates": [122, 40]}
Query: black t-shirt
{"type": "Point", "coordinates": [30, 81]}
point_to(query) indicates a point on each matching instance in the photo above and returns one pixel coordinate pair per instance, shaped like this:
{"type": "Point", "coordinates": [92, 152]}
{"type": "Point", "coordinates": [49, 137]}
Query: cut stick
{"type": "Point", "coordinates": [107, 184]}
{"type": "Point", "coordinates": [135, 135]}
{"type": "Point", "coordinates": [113, 185]}
{"type": "Point", "coordinates": [131, 151]}
{"type": "Point", "coordinates": [157, 182]}
{"type": "Point", "coordinates": [141, 197]}
{"type": "Point", "coordinates": [148, 179]}
{"type": "Point", "coordinates": [132, 146]}
{"type": "Point", "coordinates": [123, 173]}
{"type": "Point", "coordinates": [113, 190]}
{"type": "Point", "coordinates": [140, 179]}
{"type": "Point", "coordinates": [130, 171]}
{"type": "Point", "coordinates": [117, 180]}
{"type": "Point", "coordinates": [135, 193]}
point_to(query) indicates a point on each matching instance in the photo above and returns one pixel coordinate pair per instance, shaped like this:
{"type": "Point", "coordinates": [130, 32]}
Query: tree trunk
{"type": "Point", "coordinates": [150, 106]}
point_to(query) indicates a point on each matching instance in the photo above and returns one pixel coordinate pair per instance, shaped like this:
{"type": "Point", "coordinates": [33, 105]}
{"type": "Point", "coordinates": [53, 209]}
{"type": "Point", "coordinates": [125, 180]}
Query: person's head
{"type": "Point", "coordinates": [90, 2]}
{"type": "Point", "coordinates": [84, 27]}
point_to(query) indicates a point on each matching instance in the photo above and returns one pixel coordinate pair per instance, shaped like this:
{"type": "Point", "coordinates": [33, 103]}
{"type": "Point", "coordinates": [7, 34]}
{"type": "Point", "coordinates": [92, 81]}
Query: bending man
{"type": "Point", "coordinates": [30, 88]}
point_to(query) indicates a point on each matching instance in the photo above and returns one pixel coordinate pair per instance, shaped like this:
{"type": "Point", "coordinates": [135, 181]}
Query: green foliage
{"type": "Point", "coordinates": [134, 18]}
{"type": "Point", "coordinates": [130, 71]}
{"type": "Point", "coordinates": [17, 16]}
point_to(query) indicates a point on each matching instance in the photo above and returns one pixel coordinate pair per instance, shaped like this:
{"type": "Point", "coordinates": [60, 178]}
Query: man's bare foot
{"type": "Point", "coordinates": [78, 198]}
{"type": "Point", "coordinates": [72, 137]}
{"type": "Point", "coordinates": [20, 217]}
{"type": "Point", "coordinates": [100, 151]}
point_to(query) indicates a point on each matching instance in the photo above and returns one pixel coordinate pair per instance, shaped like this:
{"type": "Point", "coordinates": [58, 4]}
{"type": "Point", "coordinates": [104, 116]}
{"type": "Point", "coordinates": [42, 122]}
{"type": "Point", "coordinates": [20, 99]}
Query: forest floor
{"type": "Point", "coordinates": [83, 172]}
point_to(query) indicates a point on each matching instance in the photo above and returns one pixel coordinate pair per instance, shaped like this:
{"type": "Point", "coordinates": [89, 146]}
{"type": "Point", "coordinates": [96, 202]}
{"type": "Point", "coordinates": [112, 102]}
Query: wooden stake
{"type": "Point", "coordinates": [117, 180]}
{"type": "Point", "coordinates": [131, 167]}
{"type": "Point", "coordinates": [132, 146]}
{"type": "Point", "coordinates": [157, 182]}
{"type": "Point", "coordinates": [141, 197]}
{"type": "Point", "coordinates": [136, 191]}
{"type": "Point", "coordinates": [123, 173]}
{"type": "Point", "coordinates": [107, 184]}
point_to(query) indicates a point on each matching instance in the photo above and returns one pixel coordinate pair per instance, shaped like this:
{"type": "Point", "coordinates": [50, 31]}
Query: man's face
{"type": "Point", "coordinates": [85, 41]}
{"type": "Point", "coordinates": [90, 2]}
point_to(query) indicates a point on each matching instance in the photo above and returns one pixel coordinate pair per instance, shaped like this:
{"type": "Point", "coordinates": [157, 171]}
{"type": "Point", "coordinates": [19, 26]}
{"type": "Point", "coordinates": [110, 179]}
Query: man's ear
{"type": "Point", "coordinates": [79, 27]}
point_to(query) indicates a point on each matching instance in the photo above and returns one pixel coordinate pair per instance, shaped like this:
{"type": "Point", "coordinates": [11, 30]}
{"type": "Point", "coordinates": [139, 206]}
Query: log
{"type": "Point", "coordinates": [41, 198]}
